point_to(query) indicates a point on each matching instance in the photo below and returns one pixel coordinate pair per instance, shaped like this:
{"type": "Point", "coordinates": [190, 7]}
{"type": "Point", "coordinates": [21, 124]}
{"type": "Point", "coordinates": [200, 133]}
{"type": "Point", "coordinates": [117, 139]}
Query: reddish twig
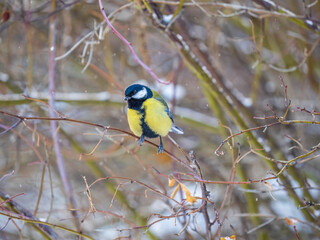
{"type": "Point", "coordinates": [312, 112]}
{"type": "Point", "coordinates": [139, 160]}
{"type": "Point", "coordinates": [275, 176]}
{"type": "Point", "coordinates": [280, 120]}
{"type": "Point", "coordinates": [44, 103]}
{"type": "Point", "coordinates": [6, 224]}
{"type": "Point", "coordinates": [218, 153]}
{"type": "Point", "coordinates": [129, 45]}
{"type": "Point", "coordinates": [296, 232]}
{"type": "Point", "coordinates": [138, 182]}
{"type": "Point", "coordinates": [118, 216]}
{"type": "Point", "coordinates": [9, 199]}
{"type": "Point", "coordinates": [24, 118]}
{"type": "Point", "coordinates": [27, 141]}
{"type": "Point", "coordinates": [95, 148]}
{"type": "Point", "coordinates": [106, 76]}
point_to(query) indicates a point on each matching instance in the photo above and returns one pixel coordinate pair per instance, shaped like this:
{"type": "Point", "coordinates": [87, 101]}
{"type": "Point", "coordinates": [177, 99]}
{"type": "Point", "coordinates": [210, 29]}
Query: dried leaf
{"type": "Point", "coordinates": [233, 237]}
{"type": "Point", "coordinates": [270, 189]}
{"type": "Point", "coordinates": [268, 185]}
{"type": "Point", "coordinates": [175, 191]}
{"type": "Point", "coordinates": [189, 198]}
{"type": "Point", "coordinates": [172, 181]}
{"type": "Point", "coordinates": [291, 221]}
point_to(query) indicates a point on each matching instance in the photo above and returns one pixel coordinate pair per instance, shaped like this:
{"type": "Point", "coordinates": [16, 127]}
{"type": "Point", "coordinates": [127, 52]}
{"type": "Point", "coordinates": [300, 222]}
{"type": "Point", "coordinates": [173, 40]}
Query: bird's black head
{"type": "Point", "coordinates": [136, 94]}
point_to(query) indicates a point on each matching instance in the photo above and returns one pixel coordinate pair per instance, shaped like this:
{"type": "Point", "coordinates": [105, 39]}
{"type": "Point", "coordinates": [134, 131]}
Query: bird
{"type": "Point", "coordinates": [148, 114]}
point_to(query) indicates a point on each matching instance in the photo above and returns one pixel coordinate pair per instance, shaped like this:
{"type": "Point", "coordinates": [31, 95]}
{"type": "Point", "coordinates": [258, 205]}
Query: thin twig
{"type": "Point", "coordinates": [99, 126]}
{"type": "Point", "coordinates": [12, 127]}
{"type": "Point", "coordinates": [26, 216]}
{"type": "Point", "coordinates": [129, 45]}
{"type": "Point", "coordinates": [53, 124]}
{"type": "Point", "coordinates": [7, 175]}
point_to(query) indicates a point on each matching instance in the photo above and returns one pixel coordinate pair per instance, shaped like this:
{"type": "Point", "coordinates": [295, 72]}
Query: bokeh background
{"type": "Point", "coordinates": [230, 65]}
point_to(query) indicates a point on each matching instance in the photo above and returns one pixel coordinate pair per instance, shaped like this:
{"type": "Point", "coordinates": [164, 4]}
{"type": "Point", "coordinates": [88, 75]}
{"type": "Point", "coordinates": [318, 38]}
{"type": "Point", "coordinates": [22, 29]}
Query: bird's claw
{"type": "Point", "coordinates": [160, 149]}
{"type": "Point", "coordinates": [141, 140]}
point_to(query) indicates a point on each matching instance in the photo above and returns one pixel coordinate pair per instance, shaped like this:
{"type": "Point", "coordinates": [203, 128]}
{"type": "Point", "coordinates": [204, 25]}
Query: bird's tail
{"type": "Point", "coordinates": [176, 129]}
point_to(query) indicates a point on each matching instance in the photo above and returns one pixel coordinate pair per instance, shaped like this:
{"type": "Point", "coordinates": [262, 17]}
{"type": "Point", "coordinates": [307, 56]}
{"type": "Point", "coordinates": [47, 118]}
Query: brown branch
{"type": "Point", "coordinates": [25, 215]}
{"type": "Point", "coordinates": [24, 118]}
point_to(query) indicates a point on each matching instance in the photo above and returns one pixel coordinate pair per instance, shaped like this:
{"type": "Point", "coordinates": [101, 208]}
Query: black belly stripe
{"type": "Point", "coordinates": [146, 131]}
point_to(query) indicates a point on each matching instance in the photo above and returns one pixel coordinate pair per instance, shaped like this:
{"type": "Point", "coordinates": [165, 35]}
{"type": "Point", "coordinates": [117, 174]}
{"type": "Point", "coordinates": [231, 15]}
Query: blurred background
{"type": "Point", "coordinates": [229, 66]}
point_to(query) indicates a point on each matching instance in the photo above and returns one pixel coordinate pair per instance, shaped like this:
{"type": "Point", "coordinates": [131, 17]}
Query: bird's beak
{"type": "Point", "coordinates": [126, 98]}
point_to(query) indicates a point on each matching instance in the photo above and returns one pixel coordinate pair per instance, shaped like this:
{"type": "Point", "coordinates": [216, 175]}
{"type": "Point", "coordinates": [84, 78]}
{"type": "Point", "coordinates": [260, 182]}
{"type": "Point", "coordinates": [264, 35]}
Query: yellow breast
{"type": "Point", "coordinates": [156, 117]}
{"type": "Point", "coordinates": [134, 119]}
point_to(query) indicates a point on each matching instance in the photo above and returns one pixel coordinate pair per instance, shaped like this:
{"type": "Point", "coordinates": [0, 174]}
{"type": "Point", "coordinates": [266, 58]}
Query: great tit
{"type": "Point", "coordinates": [148, 114]}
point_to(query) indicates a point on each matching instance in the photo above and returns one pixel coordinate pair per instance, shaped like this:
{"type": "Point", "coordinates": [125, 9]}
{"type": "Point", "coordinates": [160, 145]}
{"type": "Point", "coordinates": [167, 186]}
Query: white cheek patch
{"type": "Point", "coordinates": [141, 94]}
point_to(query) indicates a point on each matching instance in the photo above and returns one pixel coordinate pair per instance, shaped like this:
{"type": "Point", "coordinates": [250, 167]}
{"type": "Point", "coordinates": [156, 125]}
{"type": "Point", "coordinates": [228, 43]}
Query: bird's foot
{"type": "Point", "coordinates": [141, 140]}
{"type": "Point", "coordinates": [160, 149]}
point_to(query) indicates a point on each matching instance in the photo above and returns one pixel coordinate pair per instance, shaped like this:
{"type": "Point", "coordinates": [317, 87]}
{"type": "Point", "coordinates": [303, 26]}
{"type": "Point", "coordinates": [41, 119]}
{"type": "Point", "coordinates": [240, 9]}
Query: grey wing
{"type": "Point", "coordinates": [170, 115]}
{"type": "Point", "coordinates": [174, 128]}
